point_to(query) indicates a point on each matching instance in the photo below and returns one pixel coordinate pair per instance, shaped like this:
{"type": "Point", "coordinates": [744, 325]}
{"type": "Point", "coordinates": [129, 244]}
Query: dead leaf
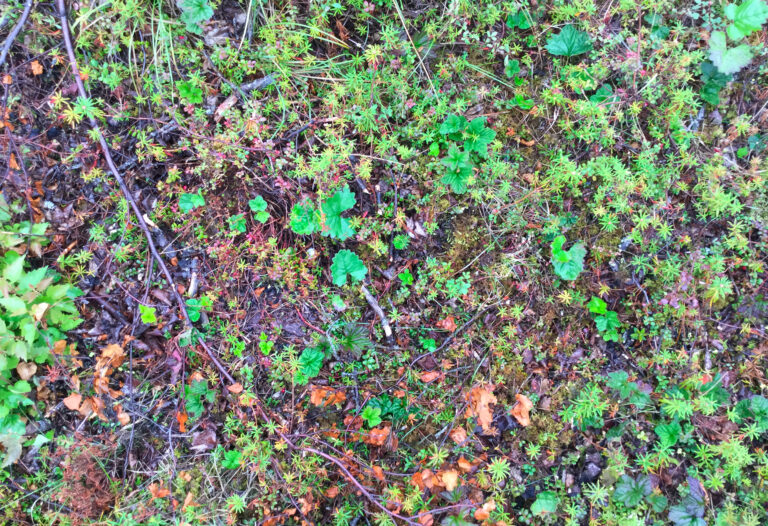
{"type": "Point", "coordinates": [378, 473]}
{"type": "Point", "coordinates": [449, 324]}
{"type": "Point", "coordinates": [36, 67]}
{"type": "Point", "coordinates": [484, 513]}
{"type": "Point", "coordinates": [122, 417]}
{"type": "Point", "coordinates": [522, 409]}
{"type": "Point", "coordinates": [7, 79]}
{"type": "Point", "coordinates": [450, 479]}
{"type": "Point", "coordinates": [59, 346]}
{"type": "Point", "coordinates": [182, 418]}
{"type": "Point", "coordinates": [224, 106]}
{"type": "Point", "coordinates": [26, 370]}
{"type": "Point", "coordinates": [189, 501]}
{"type": "Point", "coordinates": [464, 464]}
{"type": "Point", "coordinates": [430, 376]}
{"type": "Point", "coordinates": [72, 402]}
{"type": "Point", "coordinates": [235, 388]}
{"type": "Point", "coordinates": [426, 520]}
{"type": "Point", "coordinates": [13, 163]}
{"type": "Point", "coordinates": [325, 396]}
{"type": "Point", "coordinates": [480, 399]}
{"type": "Point", "coordinates": [459, 435]}
{"type": "Point", "coordinates": [157, 491]}
{"type": "Point", "coordinates": [378, 436]}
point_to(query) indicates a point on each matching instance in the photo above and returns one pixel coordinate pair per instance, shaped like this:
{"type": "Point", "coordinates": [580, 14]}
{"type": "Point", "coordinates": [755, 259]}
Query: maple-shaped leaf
{"type": "Point", "coordinates": [305, 219]}
{"type": "Point", "coordinates": [346, 263]}
{"type": "Point", "coordinates": [479, 136]}
{"type": "Point", "coordinates": [747, 17]}
{"type": "Point", "coordinates": [728, 60]}
{"type": "Point", "coordinates": [569, 42]}
{"type": "Point", "coordinates": [194, 12]}
{"type": "Point", "coordinates": [336, 226]}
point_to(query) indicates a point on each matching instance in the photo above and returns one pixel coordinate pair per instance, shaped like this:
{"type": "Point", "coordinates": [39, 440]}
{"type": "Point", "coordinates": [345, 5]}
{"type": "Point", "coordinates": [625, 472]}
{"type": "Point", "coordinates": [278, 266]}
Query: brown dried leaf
{"type": "Point", "coordinates": [450, 479]}
{"type": "Point", "coordinates": [72, 402]}
{"type": "Point", "coordinates": [36, 67]}
{"type": "Point", "coordinates": [522, 409]}
{"type": "Point", "coordinates": [430, 376]}
{"type": "Point", "coordinates": [480, 399]}
{"type": "Point", "coordinates": [26, 370]}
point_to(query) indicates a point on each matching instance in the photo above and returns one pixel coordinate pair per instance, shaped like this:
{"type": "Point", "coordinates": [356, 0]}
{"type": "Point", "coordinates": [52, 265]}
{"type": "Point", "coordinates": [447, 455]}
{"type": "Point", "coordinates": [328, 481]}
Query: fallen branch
{"type": "Point", "coordinates": [379, 312]}
{"type": "Point", "coordinates": [61, 6]}
{"type": "Point", "coordinates": [15, 31]}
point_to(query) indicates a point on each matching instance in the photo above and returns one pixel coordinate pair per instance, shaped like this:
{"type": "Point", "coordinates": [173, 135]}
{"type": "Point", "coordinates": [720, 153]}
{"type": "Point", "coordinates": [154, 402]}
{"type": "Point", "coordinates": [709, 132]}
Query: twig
{"type": "Point", "coordinates": [15, 31]}
{"type": "Point", "coordinates": [61, 6]}
{"type": "Point", "coordinates": [257, 84]}
{"type": "Point", "coordinates": [377, 309]}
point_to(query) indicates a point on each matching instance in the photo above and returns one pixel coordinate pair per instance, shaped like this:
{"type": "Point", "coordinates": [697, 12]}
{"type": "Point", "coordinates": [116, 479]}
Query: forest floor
{"type": "Point", "coordinates": [356, 262]}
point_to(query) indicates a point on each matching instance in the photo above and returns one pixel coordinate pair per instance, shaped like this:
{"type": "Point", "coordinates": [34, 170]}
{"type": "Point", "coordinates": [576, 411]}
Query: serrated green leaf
{"type": "Point", "coordinates": [568, 264]}
{"type": "Point", "coordinates": [631, 492]}
{"type": "Point", "coordinates": [728, 61]}
{"type": "Point", "coordinates": [569, 42]}
{"type": "Point", "coordinates": [335, 226]}
{"type": "Point", "coordinates": [346, 263]}
{"type": "Point", "coordinates": [478, 137]}
{"type": "Point", "coordinates": [668, 434]}
{"type": "Point", "coordinates": [747, 17]}
{"type": "Point", "coordinates": [257, 204]}
{"type": "Point", "coordinates": [546, 503]}
{"type": "Point", "coordinates": [597, 306]}
{"type": "Point", "coordinates": [453, 124]}
{"type": "Point", "coordinates": [304, 219]}
{"type": "Point", "coordinates": [188, 202]}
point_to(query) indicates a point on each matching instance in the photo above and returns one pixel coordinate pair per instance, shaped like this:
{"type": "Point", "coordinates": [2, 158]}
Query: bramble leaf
{"type": "Point", "coordinates": [188, 202]}
{"type": "Point", "coordinates": [747, 17]}
{"type": "Point", "coordinates": [728, 61]}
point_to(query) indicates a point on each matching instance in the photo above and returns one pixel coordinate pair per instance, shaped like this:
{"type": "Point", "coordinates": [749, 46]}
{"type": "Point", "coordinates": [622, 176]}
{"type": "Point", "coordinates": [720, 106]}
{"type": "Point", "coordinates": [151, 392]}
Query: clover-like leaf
{"type": "Point", "coordinates": [569, 42]}
{"type": "Point", "coordinates": [346, 263]}
{"type": "Point", "coordinates": [728, 60]}
{"type": "Point", "coordinates": [336, 226]}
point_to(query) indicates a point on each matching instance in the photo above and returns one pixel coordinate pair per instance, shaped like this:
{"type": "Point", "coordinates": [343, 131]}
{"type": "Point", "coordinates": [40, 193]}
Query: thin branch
{"type": "Point", "coordinates": [15, 31]}
{"type": "Point", "coordinates": [61, 6]}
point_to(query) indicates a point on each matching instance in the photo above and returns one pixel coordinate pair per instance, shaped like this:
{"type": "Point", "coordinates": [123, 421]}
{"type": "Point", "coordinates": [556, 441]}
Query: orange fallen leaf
{"type": "Point", "coordinates": [14, 165]}
{"type": "Point", "coordinates": [449, 324]}
{"type": "Point", "coordinates": [426, 520]}
{"type": "Point", "coordinates": [484, 513]}
{"type": "Point", "coordinates": [325, 396]}
{"type": "Point", "coordinates": [430, 376]}
{"type": "Point", "coordinates": [189, 501]}
{"type": "Point", "coordinates": [235, 388]}
{"type": "Point", "coordinates": [480, 399]}
{"type": "Point", "coordinates": [378, 473]}
{"type": "Point", "coordinates": [157, 491]}
{"type": "Point", "coordinates": [459, 435]}
{"type": "Point", "coordinates": [332, 492]}
{"type": "Point", "coordinates": [378, 436]}
{"type": "Point", "coordinates": [36, 67]}
{"type": "Point", "coordinates": [122, 417]}
{"type": "Point", "coordinates": [450, 479]}
{"type": "Point", "coordinates": [522, 410]}
{"type": "Point", "coordinates": [464, 465]}
{"type": "Point", "coordinates": [182, 418]}
{"type": "Point", "coordinates": [7, 79]}
{"type": "Point", "coordinates": [72, 402]}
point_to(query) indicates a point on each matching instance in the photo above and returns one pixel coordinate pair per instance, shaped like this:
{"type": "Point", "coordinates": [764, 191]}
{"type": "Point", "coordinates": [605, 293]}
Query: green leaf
{"type": "Point", "coordinates": [311, 361]}
{"type": "Point", "coordinates": [597, 306]}
{"type": "Point", "coordinates": [231, 459]}
{"type": "Point", "coordinates": [453, 124]}
{"type": "Point", "coordinates": [568, 264]}
{"type": "Point", "coordinates": [459, 169]}
{"type": "Point", "coordinates": [346, 262]}
{"type": "Point", "coordinates": [511, 67]}
{"type": "Point", "coordinates": [257, 204]}
{"type": "Point", "coordinates": [194, 12]}
{"type": "Point", "coordinates": [747, 17]}
{"type": "Point", "coordinates": [12, 445]}
{"type": "Point", "coordinates": [188, 202]}
{"type": "Point", "coordinates": [479, 136]}
{"type": "Point", "coordinates": [147, 314]}
{"type": "Point", "coordinates": [372, 416]}
{"type": "Point", "coordinates": [304, 219]}
{"type": "Point", "coordinates": [189, 92]}
{"type": "Point", "coordinates": [546, 503]}
{"type": "Point", "coordinates": [13, 271]}
{"type": "Point", "coordinates": [631, 492]}
{"type": "Point", "coordinates": [521, 20]}
{"type": "Point", "coordinates": [336, 226]}
{"type": "Point", "coordinates": [237, 223]}
{"type": "Point", "coordinates": [727, 61]}
{"type": "Point", "coordinates": [14, 305]}
{"type": "Point", "coordinates": [668, 434]}
{"type": "Point", "coordinates": [569, 42]}
{"type": "Point", "coordinates": [604, 94]}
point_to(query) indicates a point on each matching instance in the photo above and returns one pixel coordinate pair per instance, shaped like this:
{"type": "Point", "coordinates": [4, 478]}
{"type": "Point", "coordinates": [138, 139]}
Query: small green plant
{"type": "Point", "coordinates": [188, 202]}
{"type": "Point", "coordinates": [196, 395]}
{"type": "Point", "coordinates": [569, 42]}
{"type": "Point", "coordinates": [545, 504]}
{"type": "Point", "coordinates": [568, 263]}
{"type": "Point", "coordinates": [265, 344]}
{"type": "Point", "coordinates": [259, 208]}
{"type": "Point", "coordinates": [607, 321]}
{"type": "Point", "coordinates": [476, 137]}
{"type": "Point", "coordinates": [306, 219]}
{"type": "Point", "coordinates": [148, 314]}
{"type": "Point", "coordinates": [631, 491]}
{"type": "Point", "coordinates": [237, 224]}
{"type": "Point", "coordinates": [346, 263]}
{"type": "Point", "coordinates": [371, 415]}
{"type": "Point", "coordinates": [231, 459]}
{"type": "Point", "coordinates": [310, 363]}
{"type": "Point", "coordinates": [196, 306]}
{"type": "Point", "coordinates": [191, 93]}
{"type": "Point", "coordinates": [35, 310]}
{"type": "Point", "coordinates": [195, 12]}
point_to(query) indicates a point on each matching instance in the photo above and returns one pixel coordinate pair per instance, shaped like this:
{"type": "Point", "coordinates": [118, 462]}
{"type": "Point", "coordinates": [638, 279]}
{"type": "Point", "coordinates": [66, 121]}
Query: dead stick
{"type": "Point", "coordinates": [61, 5]}
{"type": "Point", "coordinates": [15, 31]}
